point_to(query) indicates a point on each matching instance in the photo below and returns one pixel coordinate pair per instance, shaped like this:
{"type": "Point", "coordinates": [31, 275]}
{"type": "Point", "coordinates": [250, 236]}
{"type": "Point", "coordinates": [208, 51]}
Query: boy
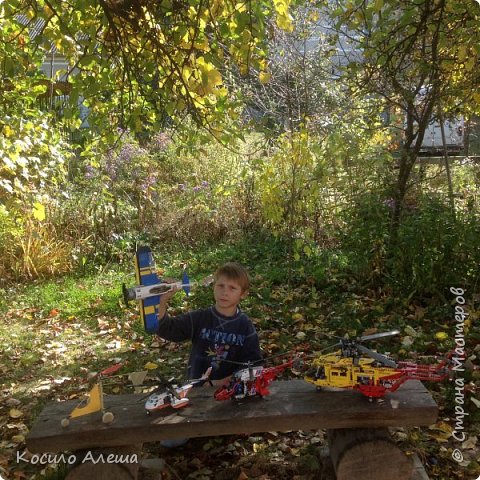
{"type": "Point", "coordinates": [221, 332]}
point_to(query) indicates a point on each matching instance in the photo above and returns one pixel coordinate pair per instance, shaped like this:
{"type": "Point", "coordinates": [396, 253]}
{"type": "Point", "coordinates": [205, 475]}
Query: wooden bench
{"type": "Point", "coordinates": [360, 446]}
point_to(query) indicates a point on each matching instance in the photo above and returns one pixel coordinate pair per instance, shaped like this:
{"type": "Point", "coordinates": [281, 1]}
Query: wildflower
{"type": "Point", "coordinates": [161, 141]}
{"type": "Point", "coordinates": [389, 202]}
{"type": "Point", "coordinates": [90, 172]}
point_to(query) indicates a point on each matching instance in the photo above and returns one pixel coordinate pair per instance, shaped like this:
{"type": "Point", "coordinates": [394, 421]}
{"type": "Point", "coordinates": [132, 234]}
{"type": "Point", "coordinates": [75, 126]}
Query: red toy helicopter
{"type": "Point", "coordinates": [251, 381]}
{"type": "Point", "coordinates": [372, 374]}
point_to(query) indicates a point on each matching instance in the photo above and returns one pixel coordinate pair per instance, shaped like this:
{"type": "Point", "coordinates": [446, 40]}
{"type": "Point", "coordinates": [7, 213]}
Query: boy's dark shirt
{"type": "Point", "coordinates": [214, 336]}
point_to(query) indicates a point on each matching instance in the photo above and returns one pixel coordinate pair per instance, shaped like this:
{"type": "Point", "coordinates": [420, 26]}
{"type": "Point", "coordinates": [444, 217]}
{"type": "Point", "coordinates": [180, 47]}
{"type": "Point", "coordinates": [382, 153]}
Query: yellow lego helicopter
{"type": "Point", "coordinates": [371, 373]}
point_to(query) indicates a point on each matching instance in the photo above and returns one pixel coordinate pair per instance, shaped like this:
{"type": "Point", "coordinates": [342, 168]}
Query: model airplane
{"type": "Point", "coordinates": [174, 396]}
{"type": "Point", "coordinates": [372, 374]}
{"type": "Point", "coordinates": [150, 287]}
{"type": "Point", "coordinates": [251, 381]}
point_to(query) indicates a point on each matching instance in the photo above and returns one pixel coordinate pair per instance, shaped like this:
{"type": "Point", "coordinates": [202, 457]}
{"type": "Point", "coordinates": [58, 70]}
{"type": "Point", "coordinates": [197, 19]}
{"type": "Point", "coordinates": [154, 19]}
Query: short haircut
{"type": "Point", "coordinates": [234, 271]}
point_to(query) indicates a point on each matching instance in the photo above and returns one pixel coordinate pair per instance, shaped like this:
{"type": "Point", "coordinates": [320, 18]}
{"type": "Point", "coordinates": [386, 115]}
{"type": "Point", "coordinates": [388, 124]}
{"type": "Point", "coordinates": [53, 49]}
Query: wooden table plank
{"type": "Point", "coordinates": [292, 405]}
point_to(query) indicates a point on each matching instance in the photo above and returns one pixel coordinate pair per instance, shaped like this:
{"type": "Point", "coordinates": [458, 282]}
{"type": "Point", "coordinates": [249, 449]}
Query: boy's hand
{"type": "Point", "coordinates": [219, 383]}
{"type": "Point", "coordinates": [165, 297]}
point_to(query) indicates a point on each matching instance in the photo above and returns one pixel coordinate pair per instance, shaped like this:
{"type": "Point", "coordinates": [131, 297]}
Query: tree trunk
{"type": "Point", "coordinates": [447, 164]}
{"type": "Point", "coordinates": [366, 454]}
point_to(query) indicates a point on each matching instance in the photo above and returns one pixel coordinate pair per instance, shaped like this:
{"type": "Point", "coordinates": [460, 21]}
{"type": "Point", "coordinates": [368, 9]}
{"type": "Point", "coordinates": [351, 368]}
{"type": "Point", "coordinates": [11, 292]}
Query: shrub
{"type": "Point", "coordinates": [434, 250]}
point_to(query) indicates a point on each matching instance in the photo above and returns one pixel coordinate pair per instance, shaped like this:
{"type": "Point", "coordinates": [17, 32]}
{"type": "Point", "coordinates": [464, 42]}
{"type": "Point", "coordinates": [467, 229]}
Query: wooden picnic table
{"type": "Point", "coordinates": [356, 427]}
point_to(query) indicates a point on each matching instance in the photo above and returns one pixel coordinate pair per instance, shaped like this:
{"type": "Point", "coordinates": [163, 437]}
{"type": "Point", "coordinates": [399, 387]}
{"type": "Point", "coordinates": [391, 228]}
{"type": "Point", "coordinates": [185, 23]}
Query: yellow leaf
{"type": "Point", "coordinates": [214, 77]}
{"type": "Point", "coordinates": [297, 317]}
{"type": "Point", "coordinates": [150, 366]}
{"type": "Point", "coordinates": [442, 431]}
{"type": "Point", "coordinates": [462, 53]}
{"type": "Point", "coordinates": [202, 44]}
{"type": "Point", "coordinates": [441, 336]}
{"type": "Point", "coordinates": [378, 5]}
{"type": "Point", "coordinates": [281, 6]}
{"type": "Point", "coordinates": [39, 211]}
{"type": "Point", "coordinates": [15, 413]}
{"type": "Point", "coordinates": [470, 64]}
{"type": "Point", "coordinates": [285, 22]}
{"type": "Point", "coordinates": [264, 77]}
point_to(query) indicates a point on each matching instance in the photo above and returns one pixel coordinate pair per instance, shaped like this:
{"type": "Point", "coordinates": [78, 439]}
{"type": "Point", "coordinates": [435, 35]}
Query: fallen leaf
{"type": "Point", "coordinates": [475, 401]}
{"type": "Point", "coordinates": [137, 379]}
{"type": "Point", "coordinates": [410, 331]}
{"type": "Point", "coordinates": [15, 413]}
{"type": "Point", "coordinates": [150, 366]}
{"type": "Point", "coordinates": [443, 431]}
{"type": "Point", "coordinates": [297, 317]}
{"type": "Point", "coordinates": [470, 443]}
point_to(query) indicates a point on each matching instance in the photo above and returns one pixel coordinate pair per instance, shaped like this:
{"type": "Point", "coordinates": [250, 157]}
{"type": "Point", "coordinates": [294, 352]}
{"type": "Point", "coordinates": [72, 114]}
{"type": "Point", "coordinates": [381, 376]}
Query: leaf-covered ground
{"type": "Point", "coordinates": [54, 336]}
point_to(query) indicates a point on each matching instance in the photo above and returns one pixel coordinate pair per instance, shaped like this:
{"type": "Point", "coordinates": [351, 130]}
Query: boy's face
{"type": "Point", "coordinates": [228, 293]}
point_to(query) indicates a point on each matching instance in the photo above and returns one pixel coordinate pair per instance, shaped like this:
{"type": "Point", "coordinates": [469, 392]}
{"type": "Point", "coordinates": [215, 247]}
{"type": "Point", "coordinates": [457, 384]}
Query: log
{"type": "Point", "coordinates": [116, 463]}
{"type": "Point", "coordinates": [366, 454]}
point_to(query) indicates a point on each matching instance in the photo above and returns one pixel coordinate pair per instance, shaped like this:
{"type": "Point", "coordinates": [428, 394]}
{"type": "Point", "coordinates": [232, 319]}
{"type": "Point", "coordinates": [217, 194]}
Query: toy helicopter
{"type": "Point", "coordinates": [250, 381]}
{"type": "Point", "coordinates": [150, 287]}
{"type": "Point", "coordinates": [175, 396]}
{"type": "Point", "coordinates": [372, 374]}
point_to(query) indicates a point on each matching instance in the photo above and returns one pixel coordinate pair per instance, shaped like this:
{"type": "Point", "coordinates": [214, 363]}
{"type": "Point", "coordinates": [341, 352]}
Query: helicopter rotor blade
{"type": "Point", "coordinates": [378, 335]}
{"type": "Point", "coordinates": [377, 356]}
{"type": "Point", "coordinates": [242, 364]}
{"type": "Point", "coordinates": [339, 344]}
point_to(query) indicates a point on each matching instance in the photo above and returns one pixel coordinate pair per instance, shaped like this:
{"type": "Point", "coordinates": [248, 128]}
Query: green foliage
{"type": "Point", "coordinates": [32, 153]}
{"type": "Point", "coordinates": [289, 187]}
{"type": "Point", "coordinates": [420, 58]}
{"type": "Point", "coordinates": [365, 235]}
{"type": "Point", "coordinates": [142, 66]}
{"type": "Point", "coordinates": [33, 159]}
{"type": "Point", "coordinates": [310, 179]}
{"type": "Point", "coordinates": [160, 190]}
{"type": "Point", "coordinates": [434, 250]}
